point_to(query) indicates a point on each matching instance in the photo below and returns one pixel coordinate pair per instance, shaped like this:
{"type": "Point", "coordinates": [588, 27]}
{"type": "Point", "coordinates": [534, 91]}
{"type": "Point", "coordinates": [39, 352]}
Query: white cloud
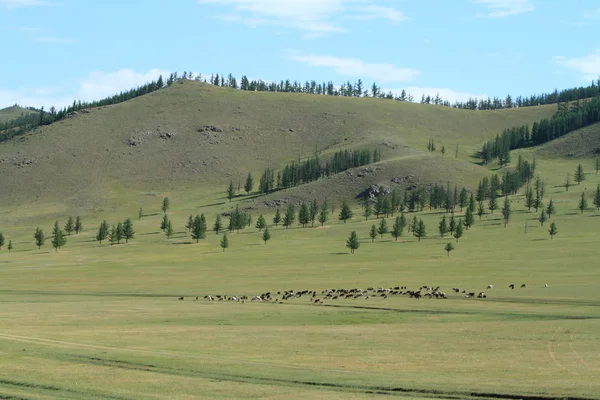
{"type": "Point", "coordinates": [316, 17]}
{"type": "Point", "coordinates": [95, 86]}
{"type": "Point", "coordinates": [588, 66]}
{"type": "Point", "coordinates": [22, 3]}
{"type": "Point", "coordinates": [55, 40]}
{"type": "Point", "coordinates": [505, 8]}
{"type": "Point", "coordinates": [352, 67]}
{"type": "Point", "coordinates": [445, 93]}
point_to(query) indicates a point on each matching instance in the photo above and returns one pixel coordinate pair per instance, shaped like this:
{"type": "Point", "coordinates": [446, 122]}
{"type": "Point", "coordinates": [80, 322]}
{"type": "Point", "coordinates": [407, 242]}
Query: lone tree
{"type": "Point", "coordinates": [230, 191]}
{"type": "Point", "coordinates": [553, 230]}
{"type": "Point", "coordinates": [582, 202]}
{"type": "Point", "coordinates": [128, 231]}
{"type": "Point", "coordinates": [165, 205]}
{"type": "Point", "coordinates": [368, 211]}
{"type": "Point", "coordinates": [58, 237]}
{"type": "Point", "coordinates": [597, 198]}
{"type": "Point", "coordinates": [266, 235]}
{"type": "Point", "coordinates": [323, 214]}
{"type": "Point", "coordinates": [69, 226]}
{"type": "Point", "coordinates": [443, 226]}
{"type": "Point", "coordinates": [249, 185]}
{"type": "Point", "coordinates": [506, 211]}
{"type": "Point", "coordinates": [458, 232]}
{"type": "Point", "coordinates": [216, 227]}
{"type": "Point", "coordinates": [39, 237]}
{"type": "Point", "coordinates": [382, 229]}
{"type": "Point", "coordinates": [78, 225]}
{"type": "Point", "coordinates": [102, 232]}
{"type": "Point", "coordinates": [289, 217]}
{"type": "Point", "coordinates": [314, 210]}
{"type": "Point", "coordinates": [164, 222]}
{"type": "Point", "coordinates": [352, 243]}
{"type": "Point", "coordinates": [420, 231]}
{"type": "Point", "coordinates": [345, 212]}
{"type": "Point", "coordinates": [1, 240]}
{"type": "Point", "coordinates": [579, 174]}
{"type": "Point", "coordinates": [261, 223]}
{"type": "Point", "coordinates": [543, 217]}
{"type": "Point", "coordinates": [550, 210]}
{"type": "Point", "coordinates": [397, 228]}
{"type": "Point", "coordinates": [10, 246]}
{"type": "Point", "coordinates": [449, 247]}
{"type": "Point", "coordinates": [169, 230]}
{"type": "Point", "coordinates": [277, 217]}
{"type": "Point", "coordinates": [224, 242]}
{"type": "Point", "coordinates": [373, 233]}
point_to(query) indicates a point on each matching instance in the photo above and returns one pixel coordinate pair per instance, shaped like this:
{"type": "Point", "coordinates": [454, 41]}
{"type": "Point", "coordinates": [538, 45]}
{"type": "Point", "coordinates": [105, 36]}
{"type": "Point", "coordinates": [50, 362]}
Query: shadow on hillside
{"type": "Point", "coordinates": [340, 254]}
{"type": "Point", "coordinates": [150, 215]}
{"type": "Point", "coordinates": [150, 233]}
{"type": "Point", "coordinates": [210, 205]}
{"type": "Point", "coordinates": [538, 240]}
{"type": "Point", "coordinates": [180, 243]}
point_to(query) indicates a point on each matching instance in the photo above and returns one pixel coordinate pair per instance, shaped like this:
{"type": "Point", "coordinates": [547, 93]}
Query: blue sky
{"type": "Point", "coordinates": [54, 51]}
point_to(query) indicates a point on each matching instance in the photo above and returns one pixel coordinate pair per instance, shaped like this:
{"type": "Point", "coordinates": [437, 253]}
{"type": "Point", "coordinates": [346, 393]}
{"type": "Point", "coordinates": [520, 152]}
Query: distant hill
{"type": "Point", "coordinates": [581, 143]}
{"type": "Point", "coordinates": [196, 137]}
{"type": "Point", "coordinates": [6, 114]}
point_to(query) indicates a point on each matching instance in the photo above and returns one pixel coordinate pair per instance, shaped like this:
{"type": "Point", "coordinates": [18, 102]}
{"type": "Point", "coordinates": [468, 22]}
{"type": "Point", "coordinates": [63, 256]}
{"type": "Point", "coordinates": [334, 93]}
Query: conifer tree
{"type": "Point", "coordinates": [378, 208]}
{"type": "Point", "coordinates": [529, 201]}
{"type": "Point", "coordinates": [249, 185]}
{"type": "Point", "coordinates": [567, 182]}
{"type": "Point", "coordinates": [128, 231]}
{"type": "Point", "coordinates": [387, 206]}
{"type": "Point", "coordinates": [217, 226]}
{"type": "Point", "coordinates": [78, 225]}
{"type": "Point", "coordinates": [463, 198]}
{"type": "Point", "coordinates": [164, 222]}
{"type": "Point", "coordinates": [303, 215]}
{"type": "Point", "coordinates": [414, 225]}
{"type": "Point", "coordinates": [39, 237]}
{"type": "Point", "coordinates": [10, 245]}
{"type": "Point", "coordinates": [69, 226]}
{"type": "Point", "coordinates": [579, 174]}
{"type": "Point", "coordinates": [382, 229]}
{"type": "Point", "coordinates": [289, 216]}
{"type": "Point", "coordinates": [353, 243]}
{"type": "Point", "coordinates": [543, 217]}
{"type": "Point", "coordinates": [277, 218]}
{"type": "Point", "coordinates": [403, 223]}
{"type": "Point", "coordinates": [261, 223]}
{"type": "Point", "coordinates": [449, 247]}
{"type": "Point", "coordinates": [582, 203]}
{"type": "Point", "coordinates": [165, 205]}
{"type": "Point", "coordinates": [506, 211]}
{"type": "Point", "coordinates": [480, 210]}
{"type": "Point", "coordinates": [472, 203]}
{"type": "Point", "coordinates": [469, 218]}
{"type": "Point", "coordinates": [169, 230]}
{"type": "Point", "coordinates": [368, 211]}
{"type": "Point", "coordinates": [230, 191]}
{"type": "Point", "coordinates": [373, 233]}
{"type": "Point", "coordinates": [493, 203]}
{"type": "Point", "coordinates": [323, 214]}
{"type": "Point", "coordinates": [197, 230]}
{"type": "Point", "coordinates": [224, 242]}
{"type": "Point", "coordinates": [597, 198]}
{"type": "Point", "coordinates": [120, 232]}
{"type": "Point", "coordinates": [112, 235]}
{"type": "Point", "coordinates": [1, 240]}
{"type": "Point", "coordinates": [189, 224]}
{"type": "Point", "coordinates": [266, 235]}
{"type": "Point", "coordinates": [102, 232]}
{"type": "Point", "coordinates": [58, 237]}
{"type": "Point", "coordinates": [452, 225]}
{"type": "Point", "coordinates": [458, 232]}
{"type": "Point", "coordinates": [397, 228]}
{"type": "Point", "coordinates": [314, 210]}
{"type": "Point", "coordinates": [420, 232]}
{"type": "Point", "coordinates": [553, 230]}
{"type": "Point", "coordinates": [443, 226]}
{"type": "Point", "coordinates": [345, 212]}
{"type": "Point", "coordinates": [550, 210]}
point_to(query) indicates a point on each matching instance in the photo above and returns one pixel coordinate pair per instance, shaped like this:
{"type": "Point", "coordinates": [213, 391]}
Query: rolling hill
{"type": "Point", "coordinates": [191, 137]}
{"type": "Point", "coordinates": [8, 113]}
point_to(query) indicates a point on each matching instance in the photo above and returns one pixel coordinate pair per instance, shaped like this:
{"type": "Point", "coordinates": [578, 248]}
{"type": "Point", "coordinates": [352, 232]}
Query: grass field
{"type": "Point", "coordinates": [6, 114]}
{"type": "Point", "coordinates": [103, 322]}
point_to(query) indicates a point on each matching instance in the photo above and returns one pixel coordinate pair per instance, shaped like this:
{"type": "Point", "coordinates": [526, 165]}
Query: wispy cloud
{"type": "Point", "coordinates": [23, 3]}
{"type": "Point", "coordinates": [310, 16]}
{"type": "Point", "coordinates": [352, 67]}
{"type": "Point", "coordinates": [588, 66]}
{"type": "Point", "coordinates": [55, 40]}
{"type": "Point", "coordinates": [505, 8]}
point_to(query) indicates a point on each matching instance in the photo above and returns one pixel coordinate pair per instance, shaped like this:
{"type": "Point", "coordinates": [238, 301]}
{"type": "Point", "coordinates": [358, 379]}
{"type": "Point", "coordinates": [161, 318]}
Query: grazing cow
{"type": "Point", "coordinates": [490, 286]}
{"type": "Point", "coordinates": [181, 298]}
{"type": "Point", "coordinates": [512, 286]}
{"type": "Point", "coordinates": [546, 285]}
{"type": "Point", "coordinates": [196, 298]}
{"type": "Point", "coordinates": [256, 298]}
{"type": "Point", "coordinates": [523, 285]}
{"type": "Point", "coordinates": [209, 297]}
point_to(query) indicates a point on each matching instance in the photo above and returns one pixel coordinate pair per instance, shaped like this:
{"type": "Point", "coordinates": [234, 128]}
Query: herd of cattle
{"type": "Point", "coordinates": [320, 297]}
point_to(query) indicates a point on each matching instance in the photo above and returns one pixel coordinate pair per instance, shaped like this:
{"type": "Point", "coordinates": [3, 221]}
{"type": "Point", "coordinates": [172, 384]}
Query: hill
{"type": "Point", "coordinates": [8, 113]}
{"type": "Point", "coordinates": [193, 137]}
{"type": "Point", "coordinates": [582, 143]}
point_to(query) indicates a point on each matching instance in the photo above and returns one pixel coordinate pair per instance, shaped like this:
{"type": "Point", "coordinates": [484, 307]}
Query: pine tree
{"type": "Point", "coordinates": [58, 237]}
{"type": "Point", "coordinates": [582, 203]}
{"type": "Point", "coordinates": [382, 229]}
{"type": "Point", "coordinates": [452, 225]}
{"type": "Point", "coordinates": [102, 232]}
{"type": "Point", "coordinates": [537, 200]}
{"type": "Point", "coordinates": [543, 217]}
{"type": "Point", "coordinates": [597, 198]}
{"type": "Point", "coordinates": [120, 232]}
{"type": "Point", "coordinates": [480, 210]}
{"type": "Point", "coordinates": [553, 230]}
{"type": "Point", "coordinates": [378, 209]}
{"type": "Point", "coordinates": [345, 212]}
{"type": "Point", "coordinates": [469, 218]}
{"type": "Point", "coordinates": [303, 215]}
{"type": "Point", "coordinates": [353, 243]}
{"type": "Point", "coordinates": [164, 222]}
{"type": "Point", "coordinates": [112, 235]}
{"type": "Point", "coordinates": [224, 242]}
{"type": "Point", "coordinates": [579, 174]}
{"type": "Point", "coordinates": [197, 230]}
{"type": "Point", "coordinates": [387, 206]}
{"type": "Point", "coordinates": [128, 231]}
{"type": "Point", "coordinates": [449, 247]}
{"type": "Point", "coordinates": [217, 226]}
{"type": "Point", "coordinates": [69, 226]}
{"type": "Point", "coordinates": [277, 218]}
{"type": "Point", "coordinates": [403, 223]}
{"type": "Point", "coordinates": [165, 205]}
{"type": "Point", "coordinates": [289, 217]}
{"type": "Point", "coordinates": [314, 210]}
{"type": "Point", "coordinates": [493, 203]}
{"type": "Point", "coordinates": [78, 225]}
{"type": "Point", "coordinates": [567, 182]}
{"type": "Point", "coordinates": [266, 235]}
{"type": "Point", "coordinates": [203, 226]}
{"type": "Point", "coordinates": [323, 214]}
{"type": "Point", "coordinates": [443, 226]}
{"type": "Point", "coordinates": [249, 185]}
{"type": "Point", "coordinates": [472, 203]}
{"type": "Point", "coordinates": [550, 210]}
{"type": "Point", "coordinates": [458, 232]}
{"type": "Point", "coordinates": [39, 237]}
{"type": "Point", "coordinates": [10, 245]}
{"type": "Point", "coordinates": [373, 233]}
{"type": "Point", "coordinates": [368, 211]}
{"type": "Point", "coordinates": [420, 232]}
{"type": "Point", "coordinates": [506, 211]}
{"type": "Point", "coordinates": [463, 198]}
{"type": "Point", "coordinates": [261, 223]}
{"type": "Point", "coordinates": [414, 225]}
{"type": "Point", "coordinates": [529, 198]}
{"type": "Point", "coordinates": [397, 228]}
{"type": "Point", "coordinates": [230, 191]}
{"type": "Point", "coordinates": [1, 240]}
{"type": "Point", "coordinates": [169, 230]}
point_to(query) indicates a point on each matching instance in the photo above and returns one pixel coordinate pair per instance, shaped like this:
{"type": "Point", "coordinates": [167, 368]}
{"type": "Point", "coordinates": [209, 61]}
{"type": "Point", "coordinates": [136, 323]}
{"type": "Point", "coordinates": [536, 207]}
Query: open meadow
{"type": "Point", "coordinates": [104, 322]}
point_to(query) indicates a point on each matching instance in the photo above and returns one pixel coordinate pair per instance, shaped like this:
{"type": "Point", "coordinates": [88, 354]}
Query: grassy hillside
{"type": "Point", "coordinates": [6, 114]}
{"type": "Point", "coordinates": [106, 157]}
{"type": "Point", "coordinates": [583, 143]}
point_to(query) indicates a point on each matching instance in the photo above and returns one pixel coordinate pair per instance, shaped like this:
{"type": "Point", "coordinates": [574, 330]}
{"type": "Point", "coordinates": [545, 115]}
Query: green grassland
{"type": "Point", "coordinates": [103, 322]}
{"type": "Point", "coordinates": [8, 113]}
